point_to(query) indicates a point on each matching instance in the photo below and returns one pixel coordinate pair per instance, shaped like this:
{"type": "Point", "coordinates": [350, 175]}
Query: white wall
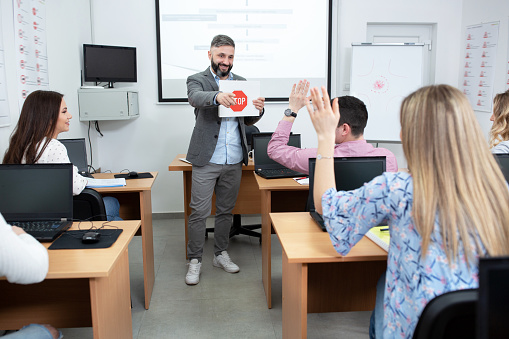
{"type": "Point", "coordinates": [355, 15]}
{"type": "Point", "coordinates": [475, 12]}
{"type": "Point", "coordinates": [150, 142]}
{"type": "Point", "coordinates": [68, 26]}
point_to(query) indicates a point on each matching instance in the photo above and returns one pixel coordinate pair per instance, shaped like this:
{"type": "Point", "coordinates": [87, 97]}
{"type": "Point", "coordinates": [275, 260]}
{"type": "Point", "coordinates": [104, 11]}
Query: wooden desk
{"type": "Point", "coordinates": [248, 200]}
{"type": "Point", "coordinates": [83, 288]}
{"type": "Point", "coordinates": [277, 195]}
{"type": "Point", "coordinates": [136, 204]}
{"type": "Point", "coordinates": [318, 279]}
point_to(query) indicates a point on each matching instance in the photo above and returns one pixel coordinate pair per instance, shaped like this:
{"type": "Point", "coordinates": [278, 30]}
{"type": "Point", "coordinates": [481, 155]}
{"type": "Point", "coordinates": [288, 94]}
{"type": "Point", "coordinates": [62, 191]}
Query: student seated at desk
{"type": "Point", "coordinates": [349, 138]}
{"type": "Point", "coordinates": [23, 260]}
{"type": "Point", "coordinates": [450, 209]}
{"type": "Point", "coordinates": [499, 133]}
{"type": "Point", "coordinates": [34, 140]}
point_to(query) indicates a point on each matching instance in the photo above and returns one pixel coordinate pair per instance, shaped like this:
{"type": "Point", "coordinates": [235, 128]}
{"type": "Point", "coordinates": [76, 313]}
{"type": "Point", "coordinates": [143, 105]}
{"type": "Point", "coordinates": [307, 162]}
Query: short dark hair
{"type": "Point", "coordinates": [222, 40]}
{"type": "Point", "coordinates": [354, 113]}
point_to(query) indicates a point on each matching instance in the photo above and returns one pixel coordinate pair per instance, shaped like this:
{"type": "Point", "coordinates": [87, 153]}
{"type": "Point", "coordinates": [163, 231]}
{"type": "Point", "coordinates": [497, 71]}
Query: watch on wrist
{"type": "Point", "coordinates": [289, 113]}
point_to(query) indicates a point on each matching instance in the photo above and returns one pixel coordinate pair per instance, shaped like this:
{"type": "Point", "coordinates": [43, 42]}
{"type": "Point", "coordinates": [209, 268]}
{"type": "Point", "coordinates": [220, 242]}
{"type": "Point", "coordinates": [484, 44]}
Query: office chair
{"type": "Point", "coordinates": [237, 227]}
{"type": "Point", "coordinates": [89, 205]}
{"type": "Point", "coordinates": [450, 315]}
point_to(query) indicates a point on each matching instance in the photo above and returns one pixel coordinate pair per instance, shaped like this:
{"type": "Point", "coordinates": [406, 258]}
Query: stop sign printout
{"type": "Point", "coordinates": [245, 92]}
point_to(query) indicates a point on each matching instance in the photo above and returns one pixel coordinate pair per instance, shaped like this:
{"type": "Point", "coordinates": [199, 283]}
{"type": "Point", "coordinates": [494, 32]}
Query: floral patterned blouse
{"type": "Point", "coordinates": [411, 280]}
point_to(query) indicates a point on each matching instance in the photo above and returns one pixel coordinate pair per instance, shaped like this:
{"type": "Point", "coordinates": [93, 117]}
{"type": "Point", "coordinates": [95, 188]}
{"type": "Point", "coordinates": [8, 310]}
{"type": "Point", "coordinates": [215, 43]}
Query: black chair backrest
{"type": "Point", "coordinates": [450, 315]}
{"type": "Point", "coordinates": [493, 305]}
{"type": "Point", "coordinates": [89, 205]}
{"type": "Point", "coordinates": [249, 132]}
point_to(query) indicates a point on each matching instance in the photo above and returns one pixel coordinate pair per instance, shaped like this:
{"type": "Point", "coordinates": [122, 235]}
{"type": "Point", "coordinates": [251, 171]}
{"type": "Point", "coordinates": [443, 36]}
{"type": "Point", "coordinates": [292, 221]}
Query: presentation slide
{"type": "Point", "coordinates": [277, 42]}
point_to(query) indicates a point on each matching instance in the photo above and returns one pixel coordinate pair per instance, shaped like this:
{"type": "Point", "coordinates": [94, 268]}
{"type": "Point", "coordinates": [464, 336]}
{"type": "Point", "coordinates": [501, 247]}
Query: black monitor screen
{"type": "Point", "coordinates": [350, 173]}
{"type": "Point", "coordinates": [35, 191]}
{"type": "Point", "coordinates": [503, 161]}
{"type": "Point", "coordinates": [493, 305]}
{"type": "Point", "coordinates": [77, 152]}
{"type": "Point", "coordinates": [109, 63]}
{"type": "Point", "coordinates": [260, 143]}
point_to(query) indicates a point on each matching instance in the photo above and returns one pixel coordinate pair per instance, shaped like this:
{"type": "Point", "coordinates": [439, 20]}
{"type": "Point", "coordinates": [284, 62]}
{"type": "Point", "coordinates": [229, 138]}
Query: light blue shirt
{"type": "Point", "coordinates": [228, 148]}
{"type": "Point", "coordinates": [411, 281]}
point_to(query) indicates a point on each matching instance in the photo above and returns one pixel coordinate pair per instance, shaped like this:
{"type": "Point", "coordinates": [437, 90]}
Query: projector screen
{"type": "Point", "coordinates": [277, 42]}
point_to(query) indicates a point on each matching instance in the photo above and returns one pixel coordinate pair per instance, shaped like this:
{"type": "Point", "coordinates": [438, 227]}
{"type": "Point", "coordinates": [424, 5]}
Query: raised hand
{"type": "Point", "coordinates": [324, 117]}
{"type": "Point", "coordinates": [298, 96]}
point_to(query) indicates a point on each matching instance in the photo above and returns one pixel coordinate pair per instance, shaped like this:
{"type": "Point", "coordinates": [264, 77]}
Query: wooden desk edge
{"type": "Point", "coordinates": [178, 165]}
{"type": "Point", "coordinates": [58, 275]}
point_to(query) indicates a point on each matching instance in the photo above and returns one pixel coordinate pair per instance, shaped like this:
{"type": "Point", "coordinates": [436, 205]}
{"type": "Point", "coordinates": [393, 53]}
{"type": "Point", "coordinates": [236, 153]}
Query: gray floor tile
{"type": "Point", "coordinates": [222, 305]}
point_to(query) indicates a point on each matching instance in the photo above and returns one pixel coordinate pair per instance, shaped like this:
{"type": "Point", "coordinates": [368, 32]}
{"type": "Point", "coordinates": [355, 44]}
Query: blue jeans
{"type": "Point", "coordinates": [112, 207]}
{"type": "Point", "coordinates": [32, 331]}
{"type": "Point", "coordinates": [376, 322]}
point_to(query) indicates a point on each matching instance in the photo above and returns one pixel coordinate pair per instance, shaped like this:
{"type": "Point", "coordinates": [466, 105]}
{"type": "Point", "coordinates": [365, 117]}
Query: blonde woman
{"type": "Point", "coordinates": [499, 134]}
{"type": "Point", "coordinates": [449, 210]}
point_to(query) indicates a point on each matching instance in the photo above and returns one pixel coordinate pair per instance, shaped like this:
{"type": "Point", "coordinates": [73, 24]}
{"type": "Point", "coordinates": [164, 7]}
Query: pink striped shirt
{"type": "Point", "coordinates": [297, 158]}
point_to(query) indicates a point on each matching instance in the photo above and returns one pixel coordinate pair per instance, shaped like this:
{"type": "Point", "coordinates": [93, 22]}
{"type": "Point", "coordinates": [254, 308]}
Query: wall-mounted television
{"type": "Point", "coordinates": [109, 64]}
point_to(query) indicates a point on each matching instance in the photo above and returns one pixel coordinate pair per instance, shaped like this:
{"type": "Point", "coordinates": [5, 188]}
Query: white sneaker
{"type": "Point", "coordinates": [223, 261]}
{"type": "Point", "coordinates": [193, 272]}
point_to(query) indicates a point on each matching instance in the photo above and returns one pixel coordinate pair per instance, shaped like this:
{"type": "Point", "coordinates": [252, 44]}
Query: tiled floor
{"type": "Point", "coordinates": [222, 305]}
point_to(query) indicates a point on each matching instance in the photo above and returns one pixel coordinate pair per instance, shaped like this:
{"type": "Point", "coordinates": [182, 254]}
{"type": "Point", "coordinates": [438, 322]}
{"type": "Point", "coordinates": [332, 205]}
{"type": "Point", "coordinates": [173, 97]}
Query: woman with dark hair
{"type": "Point", "coordinates": [34, 140]}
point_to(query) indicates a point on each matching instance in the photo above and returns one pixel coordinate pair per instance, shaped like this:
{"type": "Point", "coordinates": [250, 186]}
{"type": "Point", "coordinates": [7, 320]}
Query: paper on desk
{"type": "Point", "coordinates": [94, 183]}
{"type": "Point", "coordinates": [251, 90]}
{"type": "Point", "coordinates": [302, 181]}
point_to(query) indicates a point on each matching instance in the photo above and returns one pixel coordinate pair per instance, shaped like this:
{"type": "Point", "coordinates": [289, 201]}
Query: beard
{"type": "Point", "coordinates": [215, 68]}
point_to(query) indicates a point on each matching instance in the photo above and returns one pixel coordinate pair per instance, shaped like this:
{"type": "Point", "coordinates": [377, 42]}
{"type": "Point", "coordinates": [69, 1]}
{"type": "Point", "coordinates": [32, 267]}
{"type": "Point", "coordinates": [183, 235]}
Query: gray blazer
{"type": "Point", "coordinates": [201, 89]}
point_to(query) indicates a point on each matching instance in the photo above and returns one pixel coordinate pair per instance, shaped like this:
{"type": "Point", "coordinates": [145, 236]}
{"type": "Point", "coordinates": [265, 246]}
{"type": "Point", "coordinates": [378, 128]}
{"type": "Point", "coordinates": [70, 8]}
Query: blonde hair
{"type": "Point", "coordinates": [500, 129]}
{"type": "Point", "coordinates": [455, 176]}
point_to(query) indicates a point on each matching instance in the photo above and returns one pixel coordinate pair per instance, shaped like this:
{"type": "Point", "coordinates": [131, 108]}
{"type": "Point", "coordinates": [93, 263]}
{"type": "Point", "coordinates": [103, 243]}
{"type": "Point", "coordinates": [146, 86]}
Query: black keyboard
{"type": "Point", "coordinates": [279, 173]}
{"type": "Point", "coordinates": [37, 226]}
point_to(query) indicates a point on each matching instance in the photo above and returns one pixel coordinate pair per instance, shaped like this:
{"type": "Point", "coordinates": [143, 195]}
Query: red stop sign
{"type": "Point", "coordinates": [241, 101]}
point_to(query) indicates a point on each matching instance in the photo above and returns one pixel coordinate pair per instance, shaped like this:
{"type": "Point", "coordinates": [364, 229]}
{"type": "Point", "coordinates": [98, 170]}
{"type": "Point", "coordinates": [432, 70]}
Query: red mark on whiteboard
{"type": "Point", "coordinates": [378, 85]}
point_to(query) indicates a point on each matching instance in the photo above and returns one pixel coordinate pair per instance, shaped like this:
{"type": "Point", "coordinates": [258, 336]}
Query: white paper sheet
{"type": "Point", "coordinates": [244, 107]}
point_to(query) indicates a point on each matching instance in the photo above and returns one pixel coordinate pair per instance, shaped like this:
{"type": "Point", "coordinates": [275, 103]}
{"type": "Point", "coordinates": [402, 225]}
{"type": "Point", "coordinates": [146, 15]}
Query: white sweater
{"type": "Point", "coordinates": [23, 260]}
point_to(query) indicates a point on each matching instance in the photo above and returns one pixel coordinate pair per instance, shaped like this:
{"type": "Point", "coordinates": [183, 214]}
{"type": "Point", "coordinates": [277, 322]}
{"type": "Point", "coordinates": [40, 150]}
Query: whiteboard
{"type": "Point", "coordinates": [382, 75]}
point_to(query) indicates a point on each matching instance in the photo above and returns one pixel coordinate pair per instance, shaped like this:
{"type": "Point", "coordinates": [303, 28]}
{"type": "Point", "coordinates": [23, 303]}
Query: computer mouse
{"type": "Point", "coordinates": [133, 174]}
{"type": "Point", "coordinates": [91, 237]}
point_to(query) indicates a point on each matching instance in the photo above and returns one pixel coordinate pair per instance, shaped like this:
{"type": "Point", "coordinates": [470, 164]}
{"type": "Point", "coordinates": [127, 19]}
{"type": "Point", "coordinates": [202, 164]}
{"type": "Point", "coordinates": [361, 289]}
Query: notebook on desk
{"type": "Point", "coordinates": [350, 173]}
{"type": "Point", "coordinates": [265, 166]}
{"type": "Point", "coordinates": [77, 152]}
{"type": "Point", "coordinates": [37, 198]}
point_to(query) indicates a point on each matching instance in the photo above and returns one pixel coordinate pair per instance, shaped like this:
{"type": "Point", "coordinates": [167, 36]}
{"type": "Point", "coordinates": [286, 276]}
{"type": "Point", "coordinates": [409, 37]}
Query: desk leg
{"type": "Point", "coordinates": [147, 234]}
{"type": "Point", "coordinates": [187, 177]}
{"type": "Point", "coordinates": [266, 246]}
{"type": "Point", "coordinates": [295, 290]}
{"type": "Point", "coordinates": [110, 302]}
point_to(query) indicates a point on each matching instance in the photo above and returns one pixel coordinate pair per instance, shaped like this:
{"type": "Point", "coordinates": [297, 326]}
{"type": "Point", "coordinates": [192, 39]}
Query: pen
{"type": "Point", "coordinates": [384, 229]}
{"type": "Point", "coordinates": [301, 178]}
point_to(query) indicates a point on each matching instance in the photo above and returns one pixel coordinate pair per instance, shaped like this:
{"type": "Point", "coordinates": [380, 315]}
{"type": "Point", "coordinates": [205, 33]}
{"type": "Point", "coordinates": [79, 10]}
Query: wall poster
{"type": "Point", "coordinates": [479, 64]}
{"type": "Point", "coordinates": [30, 43]}
{"type": "Point", "coordinates": [4, 103]}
